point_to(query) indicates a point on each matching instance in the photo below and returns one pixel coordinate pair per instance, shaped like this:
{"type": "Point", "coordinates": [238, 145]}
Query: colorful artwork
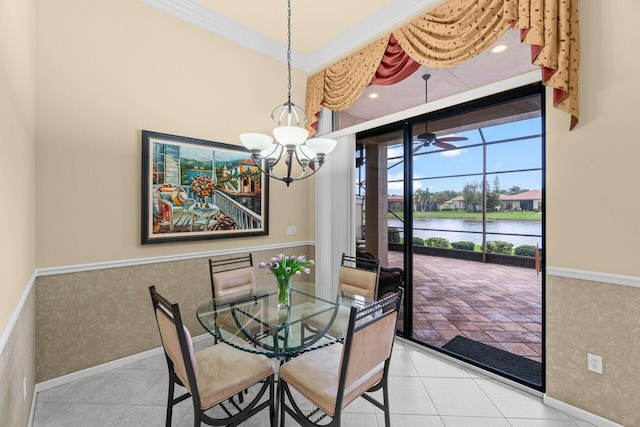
{"type": "Point", "coordinates": [194, 189]}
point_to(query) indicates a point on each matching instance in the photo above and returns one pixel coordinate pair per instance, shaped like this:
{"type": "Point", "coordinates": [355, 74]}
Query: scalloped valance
{"type": "Point", "coordinates": [457, 31]}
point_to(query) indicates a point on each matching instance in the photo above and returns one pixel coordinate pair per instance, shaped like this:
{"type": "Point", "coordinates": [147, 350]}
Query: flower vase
{"type": "Point", "coordinates": [284, 290]}
{"type": "Point", "coordinates": [205, 205]}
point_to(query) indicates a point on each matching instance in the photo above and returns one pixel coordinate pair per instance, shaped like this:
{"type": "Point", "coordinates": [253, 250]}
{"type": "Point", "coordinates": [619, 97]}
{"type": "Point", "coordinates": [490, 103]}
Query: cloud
{"type": "Point", "coordinates": [395, 151]}
{"type": "Point", "coordinates": [398, 187]}
{"type": "Point", "coordinates": [451, 153]}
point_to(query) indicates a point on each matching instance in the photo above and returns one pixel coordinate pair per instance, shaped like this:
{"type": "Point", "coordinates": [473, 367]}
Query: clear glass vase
{"type": "Point", "coordinates": [284, 290]}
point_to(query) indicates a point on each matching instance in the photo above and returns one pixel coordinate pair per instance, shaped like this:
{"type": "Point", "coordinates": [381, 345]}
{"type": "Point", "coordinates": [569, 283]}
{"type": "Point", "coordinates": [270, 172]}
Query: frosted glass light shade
{"type": "Point", "coordinates": [272, 152]}
{"type": "Point", "coordinates": [256, 141]}
{"type": "Point", "coordinates": [290, 135]}
{"type": "Point", "coordinates": [321, 145]}
{"type": "Point", "coordinates": [303, 153]}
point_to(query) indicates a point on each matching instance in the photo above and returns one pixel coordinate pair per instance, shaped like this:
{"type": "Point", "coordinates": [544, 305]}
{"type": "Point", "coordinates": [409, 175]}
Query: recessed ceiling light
{"type": "Point", "coordinates": [373, 95]}
{"type": "Point", "coordinates": [499, 48]}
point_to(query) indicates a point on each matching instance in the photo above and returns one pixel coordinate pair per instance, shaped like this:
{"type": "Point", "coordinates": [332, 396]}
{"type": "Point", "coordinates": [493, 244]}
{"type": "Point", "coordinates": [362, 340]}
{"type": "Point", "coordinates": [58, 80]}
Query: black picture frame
{"type": "Point", "coordinates": [194, 189]}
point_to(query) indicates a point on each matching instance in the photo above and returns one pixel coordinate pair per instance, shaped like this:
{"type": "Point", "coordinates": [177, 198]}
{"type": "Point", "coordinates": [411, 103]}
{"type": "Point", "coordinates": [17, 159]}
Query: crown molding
{"type": "Point", "coordinates": [207, 19]}
{"type": "Point", "coordinates": [380, 23]}
{"type": "Point", "coordinates": [383, 21]}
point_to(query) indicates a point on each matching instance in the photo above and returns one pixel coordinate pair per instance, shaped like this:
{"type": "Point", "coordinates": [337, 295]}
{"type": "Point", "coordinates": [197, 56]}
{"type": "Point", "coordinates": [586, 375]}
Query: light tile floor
{"type": "Point", "coordinates": [425, 391]}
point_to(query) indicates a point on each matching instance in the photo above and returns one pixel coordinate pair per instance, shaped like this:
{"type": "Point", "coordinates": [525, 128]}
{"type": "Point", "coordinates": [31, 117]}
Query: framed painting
{"type": "Point", "coordinates": [195, 190]}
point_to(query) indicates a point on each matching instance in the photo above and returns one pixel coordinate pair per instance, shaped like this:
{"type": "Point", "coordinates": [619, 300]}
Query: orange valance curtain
{"type": "Point", "coordinates": [453, 33]}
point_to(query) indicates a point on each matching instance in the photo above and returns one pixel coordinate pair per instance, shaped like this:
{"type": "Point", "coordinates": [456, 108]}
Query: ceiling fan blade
{"type": "Point", "coordinates": [418, 148]}
{"type": "Point", "coordinates": [452, 138]}
{"type": "Point", "coordinates": [445, 145]}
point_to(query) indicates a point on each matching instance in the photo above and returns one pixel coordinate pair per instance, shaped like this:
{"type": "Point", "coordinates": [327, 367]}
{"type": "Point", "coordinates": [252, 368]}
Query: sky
{"type": "Point", "coordinates": [509, 156]}
{"type": "Point", "coordinates": [205, 154]}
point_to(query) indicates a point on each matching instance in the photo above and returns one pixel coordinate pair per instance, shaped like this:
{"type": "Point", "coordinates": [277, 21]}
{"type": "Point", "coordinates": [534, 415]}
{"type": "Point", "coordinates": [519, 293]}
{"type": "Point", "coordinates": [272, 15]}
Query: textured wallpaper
{"type": "Point", "coordinates": [88, 318]}
{"type": "Point", "coordinates": [590, 317]}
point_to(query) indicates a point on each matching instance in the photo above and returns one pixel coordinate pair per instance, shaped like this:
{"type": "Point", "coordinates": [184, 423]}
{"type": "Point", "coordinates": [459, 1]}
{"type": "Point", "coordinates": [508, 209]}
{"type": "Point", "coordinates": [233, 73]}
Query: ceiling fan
{"type": "Point", "coordinates": [427, 138]}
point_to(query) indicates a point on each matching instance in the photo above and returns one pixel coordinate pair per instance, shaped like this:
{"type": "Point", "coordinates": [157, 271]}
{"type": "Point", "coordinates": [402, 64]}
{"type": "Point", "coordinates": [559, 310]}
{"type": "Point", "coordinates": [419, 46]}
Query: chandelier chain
{"type": "Point", "coordinates": [289, 50]}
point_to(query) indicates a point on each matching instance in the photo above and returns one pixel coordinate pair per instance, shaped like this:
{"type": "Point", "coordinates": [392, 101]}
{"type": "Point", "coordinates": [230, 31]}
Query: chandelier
{"type": "Point", "coordinates": [291, 141]}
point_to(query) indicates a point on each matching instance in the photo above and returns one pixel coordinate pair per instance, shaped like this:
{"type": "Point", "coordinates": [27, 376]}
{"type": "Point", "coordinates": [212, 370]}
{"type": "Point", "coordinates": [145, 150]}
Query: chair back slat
{"type": "Point", "coordinates": [371, 346]}
{"type": "Point", "coordinates": [241, 281]}
{"type": "Point", "coordinates": [359, 282]}
{"type": "Point", "coordinates": [171, 344]}
{"type": "Point", "coordinates": [369, 341]}
{"type": "Point", "coordinates": [176, 341]}
{"type": "Point", "coordinates": [359, 276]}
{"type": "Point", "coordinates": [230, 275]}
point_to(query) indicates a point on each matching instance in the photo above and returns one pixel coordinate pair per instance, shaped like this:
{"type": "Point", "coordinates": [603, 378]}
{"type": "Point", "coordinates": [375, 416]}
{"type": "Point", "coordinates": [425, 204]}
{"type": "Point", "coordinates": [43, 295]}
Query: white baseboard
{"type": "Point", "coordinates": [74, 376]}
{"type": "Point", "coordinates": [579, 413]}
{"type": "Point", "coordinates": [594, 276]}
{"type": "Point", "coordinates": [118, 363]}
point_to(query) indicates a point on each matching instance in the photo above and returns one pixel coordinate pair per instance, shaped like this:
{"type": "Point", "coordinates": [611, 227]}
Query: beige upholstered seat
{"type": "Point", "coordinates": [333, 377]}
{"type": "Point", "coordinates": [212, 376]}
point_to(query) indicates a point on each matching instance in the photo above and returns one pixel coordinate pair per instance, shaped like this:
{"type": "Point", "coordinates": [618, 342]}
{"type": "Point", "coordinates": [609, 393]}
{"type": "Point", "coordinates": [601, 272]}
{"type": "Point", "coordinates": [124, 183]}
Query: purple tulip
{"type": "Point", "coordinates": [275, 265]}
{"type": "Point", "coordinates": [312, 262]}
{"type": "Point", "coordinates": [273, 260]}
{"type": "Point", "coordinates": [297, 273]}
{"type": "Point", "coordinates": [302, 258]}
{"type": "Point", "coordinates": [262, 265]}
{"type": "Point", "coordinates": [288, 269]}
{"type": "Point", "coordinates": [279, 257]}
{"type": "Point", "coordinates": [307, 271]}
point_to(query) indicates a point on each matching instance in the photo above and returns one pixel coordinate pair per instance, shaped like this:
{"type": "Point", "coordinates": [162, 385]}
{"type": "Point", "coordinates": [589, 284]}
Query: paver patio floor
{"type": "Point", "coordinates": [494, 304]}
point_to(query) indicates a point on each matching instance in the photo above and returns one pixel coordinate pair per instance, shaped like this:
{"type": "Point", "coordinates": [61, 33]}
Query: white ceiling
{"type": "Point", "coordinates": [328, 30]}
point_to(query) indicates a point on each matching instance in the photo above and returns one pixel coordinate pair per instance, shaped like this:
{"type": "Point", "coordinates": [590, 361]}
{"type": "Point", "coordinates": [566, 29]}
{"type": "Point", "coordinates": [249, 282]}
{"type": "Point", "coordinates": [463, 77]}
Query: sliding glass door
{"type": "Point", "coordinates": [455, 199]}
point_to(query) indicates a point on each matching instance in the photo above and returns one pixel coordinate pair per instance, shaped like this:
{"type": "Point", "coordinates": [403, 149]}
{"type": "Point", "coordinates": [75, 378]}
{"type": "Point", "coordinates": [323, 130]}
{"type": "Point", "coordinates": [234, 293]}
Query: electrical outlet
{"type": "Point", "coordinates": [291, 230]}
{"type": "Point", "coordinates": [24, 389]}
{"type": "Point", "coordinates": [594, 363]}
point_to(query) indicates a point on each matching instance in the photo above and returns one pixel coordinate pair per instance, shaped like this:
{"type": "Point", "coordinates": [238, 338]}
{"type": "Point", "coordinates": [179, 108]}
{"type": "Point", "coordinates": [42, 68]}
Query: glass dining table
{"type": "Point", "coordinates": [255, 323]}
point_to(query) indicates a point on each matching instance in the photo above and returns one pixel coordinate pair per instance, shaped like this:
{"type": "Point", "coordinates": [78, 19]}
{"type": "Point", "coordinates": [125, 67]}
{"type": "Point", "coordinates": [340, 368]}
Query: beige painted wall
{"type": "Point", "coordinates": [600, 319]}
{"type": "Point", "coordinates": [592, 201]}
{"type": "Point", "coordinates": [593, 221]}
{"type": "Point", "coordinates": [17, 157]}
{"type": "Point", "coordinates": [107, 70]}
{"type": "Point", "coordinates": [17, 245]}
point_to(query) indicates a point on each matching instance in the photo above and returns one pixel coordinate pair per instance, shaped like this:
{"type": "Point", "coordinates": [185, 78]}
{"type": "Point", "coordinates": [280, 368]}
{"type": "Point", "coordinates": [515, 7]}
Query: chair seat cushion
{"type": "Point", "coordinates": [224, 371]}
{"type": "Point", "coordinates": [316, 374]}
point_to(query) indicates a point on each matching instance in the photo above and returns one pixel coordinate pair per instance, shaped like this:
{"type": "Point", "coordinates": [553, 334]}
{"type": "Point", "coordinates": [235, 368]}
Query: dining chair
{"type": "Point", "coordinates": [234, 279]}
{"type": "Point", "coordinates": [357, 275]}
{"type": "Point", "coordinates": [334, 376]}
{"type": "Point", "coordinates": [213, 376]}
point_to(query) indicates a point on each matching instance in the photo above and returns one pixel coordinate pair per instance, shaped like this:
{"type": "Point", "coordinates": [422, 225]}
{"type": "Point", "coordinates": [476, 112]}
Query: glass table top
{"type": "Point", "coordinates": [254, 322]}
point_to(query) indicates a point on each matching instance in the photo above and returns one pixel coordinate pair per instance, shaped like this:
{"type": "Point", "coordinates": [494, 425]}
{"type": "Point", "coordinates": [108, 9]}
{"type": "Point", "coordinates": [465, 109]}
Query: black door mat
{"type": "Point", "coordinates": [497, 360]}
